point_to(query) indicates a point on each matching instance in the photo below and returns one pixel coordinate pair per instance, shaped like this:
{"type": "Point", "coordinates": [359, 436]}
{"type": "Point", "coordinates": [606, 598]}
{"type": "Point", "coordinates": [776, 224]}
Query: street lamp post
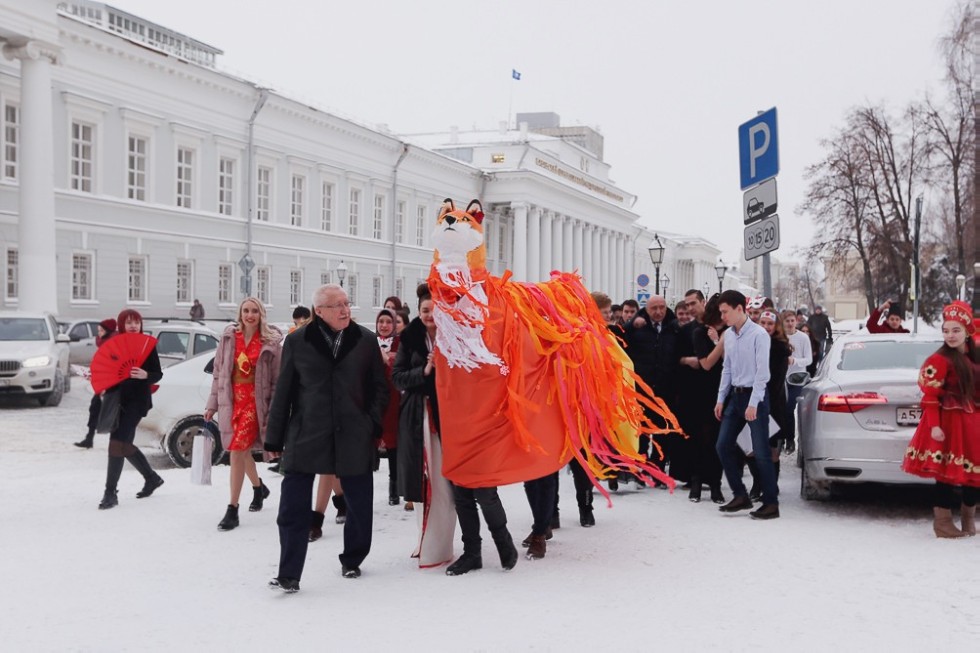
{"type": "Point", "coordinates": [665, 282]}
{"type": "Point", "coordinates": [656, 250]}
{"type": "Point", "coordinates": [341, 273]}
{"type": "Point", "coordinates": [706, 289]}
{"type": "Point", "coordinates": [961, 287]}
{"type": "Point", "coordinates": [720, 270]}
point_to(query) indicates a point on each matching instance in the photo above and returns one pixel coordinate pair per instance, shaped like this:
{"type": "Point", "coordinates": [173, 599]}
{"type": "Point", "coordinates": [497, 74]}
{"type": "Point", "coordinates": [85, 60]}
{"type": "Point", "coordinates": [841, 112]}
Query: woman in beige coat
{"type": "Point", "coordinates": [246, 367]}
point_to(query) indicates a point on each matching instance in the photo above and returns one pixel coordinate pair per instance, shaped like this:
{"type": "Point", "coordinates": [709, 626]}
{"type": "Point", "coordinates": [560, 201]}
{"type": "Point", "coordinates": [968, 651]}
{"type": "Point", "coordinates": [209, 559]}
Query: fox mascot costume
{"type": "Point", "coordinates": [528, 375]}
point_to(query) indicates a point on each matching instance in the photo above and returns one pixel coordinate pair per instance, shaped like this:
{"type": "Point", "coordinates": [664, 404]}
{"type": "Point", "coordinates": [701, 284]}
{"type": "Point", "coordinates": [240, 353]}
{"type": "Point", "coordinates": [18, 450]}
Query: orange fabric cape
{"type": "Point", "coordinates": [566, 389]}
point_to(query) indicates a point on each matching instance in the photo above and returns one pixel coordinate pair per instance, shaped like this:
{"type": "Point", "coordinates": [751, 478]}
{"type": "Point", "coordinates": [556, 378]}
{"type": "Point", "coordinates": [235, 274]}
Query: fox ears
{"type": "Point", "coordinates": [474, 209]}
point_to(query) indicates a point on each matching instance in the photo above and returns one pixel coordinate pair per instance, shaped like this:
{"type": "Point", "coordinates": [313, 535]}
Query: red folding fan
{"type": "Point", "coordinates": [117, 356]}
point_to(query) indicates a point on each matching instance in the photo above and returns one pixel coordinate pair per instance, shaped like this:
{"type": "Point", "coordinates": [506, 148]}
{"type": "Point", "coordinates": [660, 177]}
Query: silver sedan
{"type": "Point", "coordinates": [859, 412]}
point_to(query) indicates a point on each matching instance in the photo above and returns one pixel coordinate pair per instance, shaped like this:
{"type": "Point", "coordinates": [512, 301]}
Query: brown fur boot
{"type": "Point", "coordinates": [968, 515]}
{"type": "Point", "coordinates": [942, 524]}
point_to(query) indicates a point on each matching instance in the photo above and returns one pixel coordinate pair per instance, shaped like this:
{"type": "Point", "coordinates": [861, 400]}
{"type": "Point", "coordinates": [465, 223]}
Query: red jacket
{"type": "Point", "coordinates": [875, 327]}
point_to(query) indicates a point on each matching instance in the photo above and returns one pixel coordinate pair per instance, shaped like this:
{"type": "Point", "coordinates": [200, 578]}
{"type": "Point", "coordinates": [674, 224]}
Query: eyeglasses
{"type": "Point", "coordinates": [337, 305]}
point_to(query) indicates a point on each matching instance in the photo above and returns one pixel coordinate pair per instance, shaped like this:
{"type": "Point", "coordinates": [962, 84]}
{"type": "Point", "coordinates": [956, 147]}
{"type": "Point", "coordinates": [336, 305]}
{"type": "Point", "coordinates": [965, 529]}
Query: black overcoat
{"type": "Point", "coordinates": [408, 376]}
{"type": "Point", "coordinates": [326, 413]}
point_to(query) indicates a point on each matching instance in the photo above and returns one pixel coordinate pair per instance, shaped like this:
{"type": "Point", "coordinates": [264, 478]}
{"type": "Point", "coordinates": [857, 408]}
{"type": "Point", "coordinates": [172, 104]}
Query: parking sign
{"type": "Point", "coordinates": [758, 149]}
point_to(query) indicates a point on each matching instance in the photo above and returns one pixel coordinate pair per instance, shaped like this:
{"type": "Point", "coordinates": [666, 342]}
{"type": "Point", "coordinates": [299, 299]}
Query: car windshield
{"type": "Point", "coordinates": [23, 328]}
{"type": "Point", "coordinates": [885, 355]}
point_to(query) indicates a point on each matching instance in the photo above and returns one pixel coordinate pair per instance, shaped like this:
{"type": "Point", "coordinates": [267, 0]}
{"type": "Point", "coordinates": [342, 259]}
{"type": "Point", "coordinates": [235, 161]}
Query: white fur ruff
{"type": "Point", "coordinates": [462, 342]}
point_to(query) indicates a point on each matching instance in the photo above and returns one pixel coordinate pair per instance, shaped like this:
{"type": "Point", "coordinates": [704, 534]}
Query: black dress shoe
{"type": "Point", "coordinates": [717, 496]}
{"type": "Point", "coordinates": [738, 503]}
{"type": "Point", "coordinates": [149, 487]}
{"type": "Point", "coordinates": [286, 585]}
{"type": "Point", "coordinates": [109, 500]}
{"type": "Point", "coordinates": [695, 494]}
{"type": "Point", "coordinates": [350, 572]}
{"type": "Point", "coordinates": [465, 563]}
{"type": "Point", "coordinates": [770, 511]}
{"type": "Point", "coordinates": [585, 517]}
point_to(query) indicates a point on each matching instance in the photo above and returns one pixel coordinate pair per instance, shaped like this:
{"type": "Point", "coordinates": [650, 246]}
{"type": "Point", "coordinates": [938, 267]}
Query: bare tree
{"type": "Point", "coordinates": [839, 201]}
{"type": "Point", "coordinates": [952, 128]}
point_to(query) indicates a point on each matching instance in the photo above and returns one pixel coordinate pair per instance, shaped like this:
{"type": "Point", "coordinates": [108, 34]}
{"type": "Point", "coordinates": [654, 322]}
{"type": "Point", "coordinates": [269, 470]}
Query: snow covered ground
{"type": "Point", "coordinates": [656, 573]}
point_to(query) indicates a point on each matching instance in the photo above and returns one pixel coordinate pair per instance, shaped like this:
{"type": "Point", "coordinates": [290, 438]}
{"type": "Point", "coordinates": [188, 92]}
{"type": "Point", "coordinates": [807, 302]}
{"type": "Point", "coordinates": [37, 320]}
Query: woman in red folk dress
{"type": "Point", "coordinates": [946, 444]}
{"type": "Point", "coordinates": [246, 367]}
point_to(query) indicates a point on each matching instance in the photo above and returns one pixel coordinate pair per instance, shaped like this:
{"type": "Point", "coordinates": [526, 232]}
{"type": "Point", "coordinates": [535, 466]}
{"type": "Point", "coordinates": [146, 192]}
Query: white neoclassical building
{"type": "Point", "coordinates": [134, 172]}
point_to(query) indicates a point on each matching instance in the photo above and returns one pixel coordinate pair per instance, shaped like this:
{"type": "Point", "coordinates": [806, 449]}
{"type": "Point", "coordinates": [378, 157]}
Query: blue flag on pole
{"type": "Point", "coordinates": [516, 75]}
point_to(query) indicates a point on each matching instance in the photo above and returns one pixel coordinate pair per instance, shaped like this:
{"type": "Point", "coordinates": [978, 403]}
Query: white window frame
{"type": "Point", "coordinates": [184, 196]}
{"type": "Point", "coordinates": [182, 288]}
{"type": "Point", "coordinates": [263, 192]}
{"type": "Point", "coordinates": [11, 140]}
{"type": "Point", "coordinates": [400, 208]}
{"type": "Point", "coordinates": [297, 199]}
{"type": "Point", "coordinates": [327, 194]}
{"type": "Point", "coordinates": [138, 180]}
{"type": "Point", "coordinates": [352, 289]}
{"type": "Point", "coordinates": [353, 210]}
{"type": "Point", "coordinates": [226, 184]}
{"type": "Point", "coordinates": [143, 286]}
{"type": "Point", "coordinates": [399, 287]}
{"type": "Point", "coordinates": [295, 287]}
{"type": "Point", "coordinates": [377, 290]}
{"type": "Point", "coordinates": [11, 277]}
{"type": "Point", "coordinates": [377, 224]}
{"type": "Point", "coordinates": [77, 298]}
{"type": "Point", "coordinates": [263, 284]}
{"type": "Point", "coordinates": [420, 216]}
{"type": "Point", "coordinates": [77, 178]}
{"type": "Point", "coordinates": [325, 277]}
{"type": "Point", "coordinates": [502, 245]}
{"type": "Point", "coordinates": [226, 279]}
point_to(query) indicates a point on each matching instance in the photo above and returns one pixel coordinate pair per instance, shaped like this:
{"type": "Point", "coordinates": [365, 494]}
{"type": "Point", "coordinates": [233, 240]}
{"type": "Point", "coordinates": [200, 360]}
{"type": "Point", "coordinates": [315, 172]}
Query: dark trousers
{"type": "Point", "coordinates": [392, 474]}
{"type": "Point", "coordinates": [704, 440]}
{"type": "Point", "coordinates": [94, 407]}
{"type": "Point", "coordinates": [541, 497]}
{"type": "Point", "coordinates": [945, 496]}
{"type": "Point", "coordinates": [583, 486]}
{"type": "Point", "coordinates": [466, 500]}
{"type": "Point", "coordinates": [296, 514]}
{"type": "Point", "coordinates": [732, 422]}
{"type": "Point", "coordinates": [793, 392]}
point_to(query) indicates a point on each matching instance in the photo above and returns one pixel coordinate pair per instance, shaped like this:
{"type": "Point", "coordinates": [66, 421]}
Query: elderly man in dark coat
{"type": "Point", "coordinates": [326, 417]}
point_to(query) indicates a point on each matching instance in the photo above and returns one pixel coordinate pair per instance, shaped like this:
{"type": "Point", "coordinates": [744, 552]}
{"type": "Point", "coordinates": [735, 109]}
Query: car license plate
{"type": "Point", "coordinates": [908, 416]}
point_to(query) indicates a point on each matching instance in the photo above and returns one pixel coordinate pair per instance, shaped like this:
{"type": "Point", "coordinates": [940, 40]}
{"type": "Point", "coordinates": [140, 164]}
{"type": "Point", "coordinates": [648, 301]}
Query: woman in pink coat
{"type": "Point", "coordinates": [246, 366]}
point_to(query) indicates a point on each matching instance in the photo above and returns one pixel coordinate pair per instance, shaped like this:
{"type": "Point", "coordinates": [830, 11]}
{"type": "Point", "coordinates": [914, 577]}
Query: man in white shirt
{"type": "Point", "coordinates": [798, 362]}
{"type": "Point", "coordinates": [744, 375]}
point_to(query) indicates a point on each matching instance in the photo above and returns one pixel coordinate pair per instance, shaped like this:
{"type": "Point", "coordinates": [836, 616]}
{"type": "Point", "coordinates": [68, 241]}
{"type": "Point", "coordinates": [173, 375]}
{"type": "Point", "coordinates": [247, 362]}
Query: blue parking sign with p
{"type": "Point", "coordinates": [758, 149]}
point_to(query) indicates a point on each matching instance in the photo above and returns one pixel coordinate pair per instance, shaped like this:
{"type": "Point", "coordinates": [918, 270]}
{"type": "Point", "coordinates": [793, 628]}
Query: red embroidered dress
{"type": "Point", "coordinates": [244, 415]}
{"type": "Point", "coordinates": [955, 460]}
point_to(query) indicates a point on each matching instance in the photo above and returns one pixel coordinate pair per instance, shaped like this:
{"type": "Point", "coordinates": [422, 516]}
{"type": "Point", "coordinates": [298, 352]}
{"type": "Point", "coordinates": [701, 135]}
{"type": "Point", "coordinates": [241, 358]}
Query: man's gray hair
{"type": "Point", "coordinates": [320, 293]}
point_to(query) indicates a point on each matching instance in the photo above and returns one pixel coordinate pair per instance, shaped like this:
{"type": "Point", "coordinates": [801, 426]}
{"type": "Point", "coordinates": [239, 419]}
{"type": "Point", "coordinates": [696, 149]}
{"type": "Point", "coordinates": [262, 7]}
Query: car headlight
{"type": "Point", "coordinates": [37, 361]}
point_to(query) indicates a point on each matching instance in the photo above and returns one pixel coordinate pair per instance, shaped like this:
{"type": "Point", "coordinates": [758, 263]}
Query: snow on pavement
{"type": "Point", "coordinates": [656, 573]}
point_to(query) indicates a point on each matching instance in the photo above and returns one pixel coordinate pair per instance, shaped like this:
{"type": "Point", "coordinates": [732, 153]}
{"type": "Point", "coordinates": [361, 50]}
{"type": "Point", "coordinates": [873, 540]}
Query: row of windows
{"type": "Point", "coordinates": [83, 281]}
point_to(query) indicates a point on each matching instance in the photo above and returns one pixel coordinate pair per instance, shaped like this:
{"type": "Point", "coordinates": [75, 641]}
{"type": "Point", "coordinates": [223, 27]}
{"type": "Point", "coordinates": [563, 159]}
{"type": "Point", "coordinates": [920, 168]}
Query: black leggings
{"type": "Point", "coordinates": [945, 496]}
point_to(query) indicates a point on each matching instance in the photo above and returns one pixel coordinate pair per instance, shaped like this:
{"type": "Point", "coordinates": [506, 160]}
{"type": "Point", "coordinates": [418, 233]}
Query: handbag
{"type": "Point", "coordinates": [201, 459]}
{"type": "Point", "coordinates": [109, 413]}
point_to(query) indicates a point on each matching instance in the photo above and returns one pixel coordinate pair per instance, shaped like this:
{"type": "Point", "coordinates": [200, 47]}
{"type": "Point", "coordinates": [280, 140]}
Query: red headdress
{"type": "Point", "coordinates": [959, 312]}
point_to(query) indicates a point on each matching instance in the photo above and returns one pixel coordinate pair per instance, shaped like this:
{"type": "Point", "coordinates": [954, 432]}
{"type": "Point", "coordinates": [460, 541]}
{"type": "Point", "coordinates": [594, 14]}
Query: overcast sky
{"type": "Point", "coordinates": [667, 83]}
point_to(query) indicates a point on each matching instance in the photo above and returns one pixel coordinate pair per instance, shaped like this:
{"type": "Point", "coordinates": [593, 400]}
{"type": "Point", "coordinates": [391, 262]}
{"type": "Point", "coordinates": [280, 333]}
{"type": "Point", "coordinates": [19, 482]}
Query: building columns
{"type": "Point", "coordinates": [534, 245]}
{"type": "Point", "coordinates": [547, 253]}
{"type": "Point", "coordinates": [566, 256]}
{"type": "Point", "coordinates": [36, 237]}
{"type": "Point", "coordinates": [519, 264]}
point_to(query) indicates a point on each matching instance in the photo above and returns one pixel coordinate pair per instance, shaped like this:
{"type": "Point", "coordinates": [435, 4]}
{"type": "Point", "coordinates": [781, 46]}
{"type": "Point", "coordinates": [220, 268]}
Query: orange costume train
{"type": "Point", "coordinates": [527, 373]}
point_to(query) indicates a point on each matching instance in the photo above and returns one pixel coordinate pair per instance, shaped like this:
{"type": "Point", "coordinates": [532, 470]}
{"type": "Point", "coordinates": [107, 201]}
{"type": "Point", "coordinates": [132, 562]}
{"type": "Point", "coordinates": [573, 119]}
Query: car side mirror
{"type": "Point", "coordinates": [209, 368]}
{"type": "Point", "coordinates": [62, 338]}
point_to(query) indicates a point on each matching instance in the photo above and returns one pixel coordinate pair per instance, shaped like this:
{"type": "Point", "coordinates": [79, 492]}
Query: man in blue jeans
{"type": "Point", "coordinates": [744, 375]}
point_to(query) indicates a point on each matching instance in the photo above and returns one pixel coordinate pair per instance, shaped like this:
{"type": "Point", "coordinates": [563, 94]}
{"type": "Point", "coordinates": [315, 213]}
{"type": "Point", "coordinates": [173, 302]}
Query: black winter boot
{"type": "Point", "coordinates": [87, 441]}
{"type": "Point", "coordinates": [393, 499]}
{"type": "Point", "coordinates": [755, 492]}
{"type": "Point", "coordinates": [230, 520]}
{"type": "Point", "coordinates": [465, 563]}
{"type": "Point", "coordinates": [260, 494]}
{"type": "Point", "coordinates": [316, 526]}
{"type": "Point", "coordinates": [151, 480]}
{"type": "Point", "coordinates": [113, 472]}
{"type": "Point", "coordinates": [696, 487]}
{"type": "Point", "coordinates": [505, 548]}
{"type": "Point", "coordinates": [341, 505]}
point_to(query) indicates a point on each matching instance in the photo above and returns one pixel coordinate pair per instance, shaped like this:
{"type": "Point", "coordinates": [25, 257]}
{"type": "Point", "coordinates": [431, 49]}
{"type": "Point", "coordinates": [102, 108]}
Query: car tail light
{"type": "Point", "coordinates": [850, 402]}
{"type": "Point", "coordinates": [154, 387]}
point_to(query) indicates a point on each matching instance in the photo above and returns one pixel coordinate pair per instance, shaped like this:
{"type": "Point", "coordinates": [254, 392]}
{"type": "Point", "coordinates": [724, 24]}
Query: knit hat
{"type": "Point", "coordinates": [108, 324]}
{"type": "Point", "coordinates": [959, 312]}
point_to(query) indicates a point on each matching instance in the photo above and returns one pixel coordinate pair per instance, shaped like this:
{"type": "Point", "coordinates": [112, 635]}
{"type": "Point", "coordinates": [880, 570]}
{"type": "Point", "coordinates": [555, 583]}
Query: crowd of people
{"type": "Point", "coordinates": [331, 398]}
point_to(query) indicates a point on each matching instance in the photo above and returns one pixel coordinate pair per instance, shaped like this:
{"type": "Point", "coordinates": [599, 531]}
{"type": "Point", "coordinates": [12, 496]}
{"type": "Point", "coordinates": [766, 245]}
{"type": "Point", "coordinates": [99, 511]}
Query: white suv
{"type": "Point", "coordinates": [179, 340]}
{"type": "Point", "coordinates": [33, 357]}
